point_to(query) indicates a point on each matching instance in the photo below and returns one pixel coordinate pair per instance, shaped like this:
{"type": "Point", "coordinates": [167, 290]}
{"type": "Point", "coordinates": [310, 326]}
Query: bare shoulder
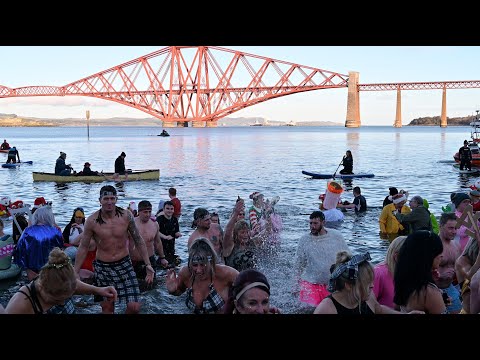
{"type": "Point", "coordinates": [325, 307]}
{"type": "Point", "coordinates": [226, 272]}
{"type": "Point", "coordinates": [91, 219]}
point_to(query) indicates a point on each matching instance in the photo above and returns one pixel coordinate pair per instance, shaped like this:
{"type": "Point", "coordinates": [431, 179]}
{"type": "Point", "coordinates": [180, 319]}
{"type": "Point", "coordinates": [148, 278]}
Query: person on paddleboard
{"type": "Point", "coordinates": [465, 155]}
{"type": "Point", "coordinates": [347, 163]}
{"type": "Point", "coordinates": [13, 155]}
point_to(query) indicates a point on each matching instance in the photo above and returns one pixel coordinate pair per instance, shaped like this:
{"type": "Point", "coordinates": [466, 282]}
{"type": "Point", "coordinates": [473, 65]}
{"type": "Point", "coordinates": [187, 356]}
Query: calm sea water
{"type": "Point", "coordinates": [210, 167]}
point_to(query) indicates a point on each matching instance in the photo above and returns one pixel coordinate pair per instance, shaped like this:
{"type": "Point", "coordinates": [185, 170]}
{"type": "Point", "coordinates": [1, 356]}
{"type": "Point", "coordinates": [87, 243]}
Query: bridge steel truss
{"type": "Point", "coordinates": [439, 85]}
{"type": "Point", "coordinates": [186, 83]}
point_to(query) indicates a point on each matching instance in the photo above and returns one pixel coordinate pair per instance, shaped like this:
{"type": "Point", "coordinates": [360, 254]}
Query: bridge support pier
{"type": "Point", "coordinates": [213, 123]}
{"type": "Point", "coordinates": [353, 101]}
{"type": "Point", "coordinates": [168, 124]}
{"type": "Point", "coordinates": [398, 113]}
{"type": "Point", "coordinates": [198, 124]}
{"type": "Point", "coordinates": [443, 119]}
{"type": "Point", "coordinates": [181, 124]}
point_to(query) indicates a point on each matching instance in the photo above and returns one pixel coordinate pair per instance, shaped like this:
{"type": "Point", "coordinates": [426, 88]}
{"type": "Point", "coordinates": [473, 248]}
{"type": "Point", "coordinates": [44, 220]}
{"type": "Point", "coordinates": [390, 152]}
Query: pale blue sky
{"type": "Point", "coordinates": [60, 65]}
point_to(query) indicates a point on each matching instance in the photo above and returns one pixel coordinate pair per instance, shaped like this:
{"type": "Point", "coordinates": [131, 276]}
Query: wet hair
{"type": "Point", "coordinates": [363, 281]}
{"type": "Point", "coordinates": [239, 225]}
{"type": "Point", "coordinates": [199, 213]}
{"type": "Point", "coordinates": [393, 249]}
{"type": "Point", "coordinates": [201, 251]}
{"type": "Point", "coordinates": [106, 190]}
{"type": "Point", "coordinates": [413, 271]}
{"type": "Point", "coordinates": [144, 205]}
{"type": "Point", "coordinates": [57, 277]}
{"type": "Point", "coordinates": [317, 214]}
{"type": "Point", "coordinates": [357, 190]}
{"type": "Point", "coordinates": [172, 191]}
{"type": "Point", "coordinates": [446, 217]}
{"type": "Point", "coordinates": [43, 215]}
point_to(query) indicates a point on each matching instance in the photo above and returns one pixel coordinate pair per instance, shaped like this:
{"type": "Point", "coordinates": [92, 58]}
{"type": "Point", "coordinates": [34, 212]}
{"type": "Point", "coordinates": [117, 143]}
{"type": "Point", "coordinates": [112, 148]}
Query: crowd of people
{"type": "Point", "coordinates": [116, 254]}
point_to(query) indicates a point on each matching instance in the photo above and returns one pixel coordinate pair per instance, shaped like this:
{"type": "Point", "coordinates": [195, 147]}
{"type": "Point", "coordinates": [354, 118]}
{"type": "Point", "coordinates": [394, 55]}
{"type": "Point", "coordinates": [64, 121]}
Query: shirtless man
{"type": "Point", "coordinates": [446, 269]}
{"type": "Point", "coordinates": [110, 227]}
{"type": "Point", "coordinates": [205, 228]}
{"type": "Point", "coordinates": [148, 230]}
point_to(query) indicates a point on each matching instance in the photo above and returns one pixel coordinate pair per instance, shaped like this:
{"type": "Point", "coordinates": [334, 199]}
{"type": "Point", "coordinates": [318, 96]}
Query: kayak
{"type": "Point", "coordinates": [339, 176]}
{"type": "Point", "coordinates": [13, 165]}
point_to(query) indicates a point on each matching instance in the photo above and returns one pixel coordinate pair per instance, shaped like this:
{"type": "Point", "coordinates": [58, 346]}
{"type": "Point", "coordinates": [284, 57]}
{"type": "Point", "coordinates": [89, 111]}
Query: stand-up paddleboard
{"type": "Point", "coordinates": [339, 176]}
{"type": "Point", "coordinates": [474, 170]}
{"type": "Point", "coordinates": [14, 165]}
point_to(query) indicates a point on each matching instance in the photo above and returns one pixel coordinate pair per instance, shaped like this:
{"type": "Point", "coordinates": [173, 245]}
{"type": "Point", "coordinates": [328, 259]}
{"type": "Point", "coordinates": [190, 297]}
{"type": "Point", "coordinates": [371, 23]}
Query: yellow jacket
{"type": "Point", "coordinates": [388, 222]}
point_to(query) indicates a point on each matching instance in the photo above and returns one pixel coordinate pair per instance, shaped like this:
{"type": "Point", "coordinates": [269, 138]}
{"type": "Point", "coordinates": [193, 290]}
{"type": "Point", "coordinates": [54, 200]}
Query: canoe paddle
{"type": "Point", "coordinates": [335, 173]}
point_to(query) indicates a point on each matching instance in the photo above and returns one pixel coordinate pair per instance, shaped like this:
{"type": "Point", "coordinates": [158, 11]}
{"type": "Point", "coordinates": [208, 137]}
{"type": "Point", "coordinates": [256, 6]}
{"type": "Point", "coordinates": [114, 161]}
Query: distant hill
{"type": "Point", "coordinates": [435, 121]}
{"type": "Point", "coordinates": [13, 120]}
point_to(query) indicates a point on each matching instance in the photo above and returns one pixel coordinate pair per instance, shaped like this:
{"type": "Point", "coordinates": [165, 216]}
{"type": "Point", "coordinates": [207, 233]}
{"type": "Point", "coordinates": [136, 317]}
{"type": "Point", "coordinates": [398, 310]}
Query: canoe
{"type": "Point", "coordinates": [337, 176]}
{"type": "Point", "coordinates": [14, 165]}
{"type": "Point", "coordinates": [153, 174]}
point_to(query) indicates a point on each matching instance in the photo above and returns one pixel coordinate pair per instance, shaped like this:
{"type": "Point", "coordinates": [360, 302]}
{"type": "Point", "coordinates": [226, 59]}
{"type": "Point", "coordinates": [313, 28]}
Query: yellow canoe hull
{"type": "Point", "coordinates": [153, 174]}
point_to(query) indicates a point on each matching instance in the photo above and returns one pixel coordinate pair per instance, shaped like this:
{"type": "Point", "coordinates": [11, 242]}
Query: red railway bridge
{"type": "Point", "coordinates": [202, 84]}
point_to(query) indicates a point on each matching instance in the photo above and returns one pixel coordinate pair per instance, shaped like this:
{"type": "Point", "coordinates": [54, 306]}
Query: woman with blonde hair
{"type": "Point", "coordinates": [351, 283]}
{"type": "Point", "coordinates": [383, 285]}
{"type": "Point", "coordinates": [207, 283]}
{"type": "Point", "coordinates": [54, 286]}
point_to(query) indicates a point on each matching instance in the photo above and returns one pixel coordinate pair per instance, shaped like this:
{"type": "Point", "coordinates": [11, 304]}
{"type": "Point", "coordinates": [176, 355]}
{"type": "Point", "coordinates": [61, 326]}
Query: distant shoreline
{"type": "Point", "coordinates": [12, 120]}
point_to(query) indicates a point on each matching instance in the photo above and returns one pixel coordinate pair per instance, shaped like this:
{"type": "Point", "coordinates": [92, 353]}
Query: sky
{"type": "Point", "coordinates": [60, 65]}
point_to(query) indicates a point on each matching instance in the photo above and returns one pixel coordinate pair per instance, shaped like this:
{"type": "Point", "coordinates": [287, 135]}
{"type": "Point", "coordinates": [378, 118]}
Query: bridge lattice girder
{"type": "Point", "coordinates": [421, 85]}
{"type": "Point", "coordinates": [203, 83]}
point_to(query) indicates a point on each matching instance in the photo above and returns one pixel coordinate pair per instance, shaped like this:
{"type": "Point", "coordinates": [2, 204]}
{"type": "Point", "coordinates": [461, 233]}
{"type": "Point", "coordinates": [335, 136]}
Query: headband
{"type": "Point", "coordinates": [57, 266]}
{"type": "Point", "coordinates": [200, 259]}
{"type": "Point", "coordinates": [399, 198]}
{"type": "Point", "coordinates": [249, 286]}
{"type": "Point", "coordinates": [107, 193]}
{"type": "Point", "coordinates": [352, 267]}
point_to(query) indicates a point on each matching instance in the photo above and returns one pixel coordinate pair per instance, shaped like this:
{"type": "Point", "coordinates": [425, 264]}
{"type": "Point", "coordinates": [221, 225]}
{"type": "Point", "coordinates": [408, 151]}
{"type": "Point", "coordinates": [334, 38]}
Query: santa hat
{"type": "Point", "coordinates": [398, 198]}
{"type": "Point", "coordinates": [39, 202]}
